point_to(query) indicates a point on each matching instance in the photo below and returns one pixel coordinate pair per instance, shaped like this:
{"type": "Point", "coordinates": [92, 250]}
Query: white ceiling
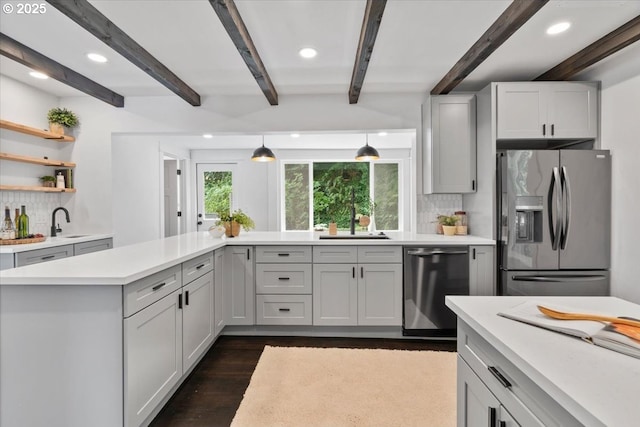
{"type": "Point", "coordinates": [418, 42]}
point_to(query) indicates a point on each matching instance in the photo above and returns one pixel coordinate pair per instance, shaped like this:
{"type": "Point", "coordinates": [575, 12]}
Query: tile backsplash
{"type": "Point", "coordinates": [431, 205]}
{"type": "Point", "coordinates": [39, 207]}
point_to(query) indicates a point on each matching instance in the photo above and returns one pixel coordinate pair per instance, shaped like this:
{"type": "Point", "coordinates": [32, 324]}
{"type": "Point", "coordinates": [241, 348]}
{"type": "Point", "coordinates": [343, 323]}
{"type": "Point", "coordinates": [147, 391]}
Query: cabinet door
{"type": "Point", "coordinates": [521, 110]}
{"type": "Point", "coordinates": [573, 110]}
{"type": "Point", "coordinates": [197, 319]}
{"type": "Point", "coordinates": [92, 246]}
{"type": "Point", "coordinates": [452, 166]}
{"type": "Point", "coordinates": [380, 294]}
{"type": "Point", "coordinates": [477, 406]}
{"type": "Point", "coordinates": [218, 299]}
{"type": "Point", "coordinates": [239, 286]}
{"type": "Point", "coordinates": [335, 295]}
{"type": "Point", "coordinates": [152, 357]}
{"type": "Point", "coordinates": [481, 271]}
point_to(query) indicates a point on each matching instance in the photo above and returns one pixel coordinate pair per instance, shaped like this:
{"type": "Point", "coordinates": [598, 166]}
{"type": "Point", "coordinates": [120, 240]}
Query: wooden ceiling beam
{"type": "Point", "coordinates": [514, 16]}
{"type": "Point", "coordinates": [370, 26]}
{"type": "Point", "coordinates": [233, 23]}
{"type": "Point", "coordinates": [90, 18]}
{"type": "Point", "coordinates": [611, 43]}
{"type": "Point", "coordinates": [26, 56]}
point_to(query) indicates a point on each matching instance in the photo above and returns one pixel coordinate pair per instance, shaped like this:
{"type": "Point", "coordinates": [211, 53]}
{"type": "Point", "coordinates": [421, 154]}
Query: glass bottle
{"type": "Point", "coordinates": [16, 223]}
{"type": "Point", "coordinates": [7, 227]}
{"type": "Point", "coordinates": [23, 229]}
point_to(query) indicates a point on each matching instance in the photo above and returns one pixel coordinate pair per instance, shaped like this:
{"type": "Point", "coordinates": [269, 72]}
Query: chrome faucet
{"type": "Point", "coordinates": [352, 230]}
{"type": "Point", "coordinates": [55, 229]}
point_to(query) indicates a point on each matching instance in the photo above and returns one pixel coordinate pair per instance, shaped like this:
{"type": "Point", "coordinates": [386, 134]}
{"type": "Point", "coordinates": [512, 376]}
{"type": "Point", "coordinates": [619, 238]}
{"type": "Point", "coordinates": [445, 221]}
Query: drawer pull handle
{"type": "Point", "coordinates": [199, 267]}
{"type": "Point", "coordinates": [499, 376]}
{"type": "Point", "coordinates": [284, 309]}
{"type": "Point", "coordinates": [48, 257]}
{"type": "Point", "coordinates": [283, 254]}
{"type": "Point", "coordinates": [284, 278]}
{"type": "Point", "coordinates": [161, 285]}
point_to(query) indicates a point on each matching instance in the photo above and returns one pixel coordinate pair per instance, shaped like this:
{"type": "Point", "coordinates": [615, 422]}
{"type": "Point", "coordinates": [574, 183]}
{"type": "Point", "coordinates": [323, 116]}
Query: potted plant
{"type": "Point", "coordinates": [233, 221]}
{"type": "Point", "coordinates": [61, 118]}
{"type": "Point", "coordinates": [48, 181]}
{"type": "Point", "coordinates": [448, 224]}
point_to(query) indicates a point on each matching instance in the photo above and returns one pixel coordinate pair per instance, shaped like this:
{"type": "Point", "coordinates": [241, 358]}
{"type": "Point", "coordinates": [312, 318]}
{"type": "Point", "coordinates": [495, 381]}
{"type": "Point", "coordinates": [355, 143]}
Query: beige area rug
{"type": "Point", "coordinates": [333, 387]}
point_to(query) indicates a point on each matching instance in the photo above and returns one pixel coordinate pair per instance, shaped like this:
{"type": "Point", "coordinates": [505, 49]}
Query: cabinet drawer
{"type": "Point", "coordinates": [283, 278]}
{"type": "Point", "coordinates": [283, 254]}
{"type": "Point", "coordinates": [196, 267]}
{"type": "Point", "coordinates": [145, 292]}
{"type": "Point", "coordinates": [380, 254]}
{"type": "Point", "coordinates": [524, 399]}
{"type": "Point", "coordinates": [43, 255]}
{"type": "Point", "coordinates": [283, 309]}
{"type": "Point", "coordinates": [335, 254]}
{"type": "Point", "coordinates": [92, 246]}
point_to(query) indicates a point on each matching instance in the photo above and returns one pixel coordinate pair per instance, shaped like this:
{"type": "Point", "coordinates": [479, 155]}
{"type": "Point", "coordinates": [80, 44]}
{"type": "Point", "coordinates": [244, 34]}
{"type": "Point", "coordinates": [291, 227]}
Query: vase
{"type": "Point", "coordinates": [56, 129]}
{"type": "Point", "coordinates": [449, 230]}
{"type": "Point", "coordinates": [231, 229]}
{"type": "Point", "coordinates": [333, 228]}
{"type": "Point", "coordinates": [48, 184]}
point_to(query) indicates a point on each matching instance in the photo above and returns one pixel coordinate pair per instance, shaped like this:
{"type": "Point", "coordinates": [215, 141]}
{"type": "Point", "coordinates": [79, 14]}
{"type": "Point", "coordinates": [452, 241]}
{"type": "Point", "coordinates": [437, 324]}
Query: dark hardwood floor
{"type": "Point", "coordinates": [212, 393]}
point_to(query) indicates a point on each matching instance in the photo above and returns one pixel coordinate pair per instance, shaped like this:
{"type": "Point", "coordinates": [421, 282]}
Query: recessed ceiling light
{"type": "Point", "coordinates": [295, 135]}
{"type": "Point", "coordinates": [96, 57]}
{"type": "Point", "coordinates": [38, 75]}
{"type": "Point", "coordinates": [207, 135]}
{"type": "Point", "coordinates": [382, 134]}
{"type": "Point", "coordinates": [558, 28]}
{"type": "Point", "coordinates": [308, 52]}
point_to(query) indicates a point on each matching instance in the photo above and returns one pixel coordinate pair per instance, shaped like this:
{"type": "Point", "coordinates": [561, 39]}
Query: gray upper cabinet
{"type": "Point", "coordinates": [547, 110]}
{"type": "Point", "coordinates": [450, 146]}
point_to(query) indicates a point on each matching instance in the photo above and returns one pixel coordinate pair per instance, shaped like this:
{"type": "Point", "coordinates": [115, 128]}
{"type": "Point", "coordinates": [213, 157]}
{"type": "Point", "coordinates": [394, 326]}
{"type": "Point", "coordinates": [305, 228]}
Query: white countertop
{"type": "Point", "coordinates": [596, 385]}
{"type": "Point", "coordinates": [123, 265]}
{"type": "Point", "coordinates": [53, 241]}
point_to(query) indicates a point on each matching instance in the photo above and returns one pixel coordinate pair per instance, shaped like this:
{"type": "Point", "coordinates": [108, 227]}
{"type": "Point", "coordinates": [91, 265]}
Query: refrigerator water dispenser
{"type": "Point", "coordinates": [528, 219]}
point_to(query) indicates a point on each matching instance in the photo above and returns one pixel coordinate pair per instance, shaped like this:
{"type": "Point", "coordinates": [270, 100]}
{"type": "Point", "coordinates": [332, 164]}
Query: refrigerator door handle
{"type": "Point", "coordinates": [566, 278]}
{"type": "Point", "coordinates": [566, 192]}
{"type": "Point", "coordinates": [554, 226]}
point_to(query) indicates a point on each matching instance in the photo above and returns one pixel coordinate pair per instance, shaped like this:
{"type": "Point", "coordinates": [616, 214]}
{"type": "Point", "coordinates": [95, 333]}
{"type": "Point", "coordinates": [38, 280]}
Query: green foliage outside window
{"type": "Point", "coordinates": [217, 189]}
{"type": "Point", "coordinates": [296, 193]}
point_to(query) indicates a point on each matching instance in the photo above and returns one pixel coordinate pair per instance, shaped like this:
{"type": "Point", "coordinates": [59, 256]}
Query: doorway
{"type": "Point", "coordinates": [173, 197]}
{"type": "Point", "coordinates": [215, 184]}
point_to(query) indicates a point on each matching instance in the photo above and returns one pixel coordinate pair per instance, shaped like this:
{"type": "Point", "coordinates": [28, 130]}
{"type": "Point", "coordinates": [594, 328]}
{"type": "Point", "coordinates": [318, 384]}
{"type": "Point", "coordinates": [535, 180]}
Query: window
{"type": "Point", "coordinates": [215, 191]}
{"type": "Point", "coordinates": [317, 193]}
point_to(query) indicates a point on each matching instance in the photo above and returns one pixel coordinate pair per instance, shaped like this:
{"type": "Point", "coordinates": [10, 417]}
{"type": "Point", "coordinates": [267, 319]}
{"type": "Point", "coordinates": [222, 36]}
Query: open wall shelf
{"type": "Point", "coordinates": [36, 188]}
{"type": "Point", "coordinates": [28, 130]}
{"type": "Point", "coordinates": [36, 160]}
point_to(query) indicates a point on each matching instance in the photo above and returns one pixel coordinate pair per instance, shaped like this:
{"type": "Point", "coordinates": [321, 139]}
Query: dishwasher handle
{"type": "Point", "coordinates": [437, 252]}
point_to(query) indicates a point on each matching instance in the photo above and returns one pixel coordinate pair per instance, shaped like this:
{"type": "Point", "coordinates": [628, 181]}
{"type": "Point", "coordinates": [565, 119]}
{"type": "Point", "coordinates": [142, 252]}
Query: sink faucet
{"type": "Point", "coordinates": [55, 229]}
{"type": "Point", "coordinates": [352, 230]}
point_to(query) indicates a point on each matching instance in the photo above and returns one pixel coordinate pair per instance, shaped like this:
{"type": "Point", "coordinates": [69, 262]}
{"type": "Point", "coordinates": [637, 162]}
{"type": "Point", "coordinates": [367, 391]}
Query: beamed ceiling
{"type": "Point", "coordinates": [204, 48]}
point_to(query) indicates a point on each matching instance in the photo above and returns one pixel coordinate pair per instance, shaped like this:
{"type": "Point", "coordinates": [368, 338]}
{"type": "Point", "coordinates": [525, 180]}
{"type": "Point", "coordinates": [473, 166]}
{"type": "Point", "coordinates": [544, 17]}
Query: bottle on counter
{"type": "Point", "coordinates": [60, 180]}
{"type": "Point", "coordinates": [23, 228]}
{"type": "Point", "coordinates": [8, 232]}
{"type": "Point", "coordinates": [16, 223]}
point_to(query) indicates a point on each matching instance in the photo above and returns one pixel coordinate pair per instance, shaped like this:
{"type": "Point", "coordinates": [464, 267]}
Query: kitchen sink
{"type": "Point", "coordinates": [355, 237]}
{"type": "Point", "coordinates": [74, 236]}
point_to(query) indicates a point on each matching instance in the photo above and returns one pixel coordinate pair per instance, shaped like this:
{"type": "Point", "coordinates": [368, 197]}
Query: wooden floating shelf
{"type": "Point", "coordinates": [36, 188]}
{"type": "Point", "coordinates": [36, 160]}
{"type": "Point", "coordinates": [28, 130]}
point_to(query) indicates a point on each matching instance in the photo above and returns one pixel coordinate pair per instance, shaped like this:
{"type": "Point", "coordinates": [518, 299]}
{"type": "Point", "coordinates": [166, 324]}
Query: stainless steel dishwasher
{"type": "Point", "coordinates": [431, 273]}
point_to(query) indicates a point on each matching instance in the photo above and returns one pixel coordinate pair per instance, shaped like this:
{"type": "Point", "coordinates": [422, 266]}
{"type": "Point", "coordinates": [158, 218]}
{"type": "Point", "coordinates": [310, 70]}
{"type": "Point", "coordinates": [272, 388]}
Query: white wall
{"type": "Point", "coordinates": [620, 133]}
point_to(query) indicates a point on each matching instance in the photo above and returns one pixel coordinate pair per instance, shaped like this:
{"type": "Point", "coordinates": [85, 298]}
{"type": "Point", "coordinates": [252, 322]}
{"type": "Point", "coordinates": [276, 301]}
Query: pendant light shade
{"type": "Point", "coordinates": [263, 154]}
{"type": "Point", "coordinates": [367, 153]}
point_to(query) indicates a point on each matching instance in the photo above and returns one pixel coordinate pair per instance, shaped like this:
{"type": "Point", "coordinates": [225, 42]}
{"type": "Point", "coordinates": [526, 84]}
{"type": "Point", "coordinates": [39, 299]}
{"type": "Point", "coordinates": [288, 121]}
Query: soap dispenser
{"type": "Point", "coordinates": [60, 180]}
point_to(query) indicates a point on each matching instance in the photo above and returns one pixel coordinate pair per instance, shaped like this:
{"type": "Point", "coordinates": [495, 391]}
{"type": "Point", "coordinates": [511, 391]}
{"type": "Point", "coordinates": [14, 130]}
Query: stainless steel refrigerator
{"type": "Point", "coordinates": [554, 222]}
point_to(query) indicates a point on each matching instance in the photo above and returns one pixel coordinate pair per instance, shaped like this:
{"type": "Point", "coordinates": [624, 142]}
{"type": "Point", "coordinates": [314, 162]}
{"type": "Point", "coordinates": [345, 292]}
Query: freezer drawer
{"type": "Point", "coordinates": [555, 283]}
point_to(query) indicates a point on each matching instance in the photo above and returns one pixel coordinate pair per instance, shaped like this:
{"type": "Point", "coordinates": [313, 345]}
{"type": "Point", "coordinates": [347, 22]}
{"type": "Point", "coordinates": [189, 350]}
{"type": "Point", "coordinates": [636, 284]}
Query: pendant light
{"type": "Point", "coordinates": [367, 152]}
{"type": "Point", "coordinates": [263, 154]}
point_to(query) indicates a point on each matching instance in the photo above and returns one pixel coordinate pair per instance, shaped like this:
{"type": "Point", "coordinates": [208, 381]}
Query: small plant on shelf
{"type": "Point", "coordinates": [61, 118]}
{"type": "Point", "coordinates": [448, 223]}
{"type": "Point", "coordinates": [48, 181]}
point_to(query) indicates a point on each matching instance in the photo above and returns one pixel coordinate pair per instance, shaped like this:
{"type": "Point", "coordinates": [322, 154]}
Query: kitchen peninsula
{"type": "Point", "coordinates": [104, 339]}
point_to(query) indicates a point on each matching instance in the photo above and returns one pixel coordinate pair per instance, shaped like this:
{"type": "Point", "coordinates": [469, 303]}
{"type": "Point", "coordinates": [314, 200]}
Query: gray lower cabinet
{"type": "Point", "coordinates": [92, 246]}
{"type": "Point", "coordinates": [43, 255]}
{"type": "Point", "coordinates": [283, 285]}
{"type": "Point", "coordinates": [197, 319]}
{"type": "Point", "coordinates": [364, 289]}
{"type": "Point", "coordinates": [482, 270]}
{"type": "Point", "coordinates": [239, 285]}
{"type": "Point", "coordinates": [218, 300]}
